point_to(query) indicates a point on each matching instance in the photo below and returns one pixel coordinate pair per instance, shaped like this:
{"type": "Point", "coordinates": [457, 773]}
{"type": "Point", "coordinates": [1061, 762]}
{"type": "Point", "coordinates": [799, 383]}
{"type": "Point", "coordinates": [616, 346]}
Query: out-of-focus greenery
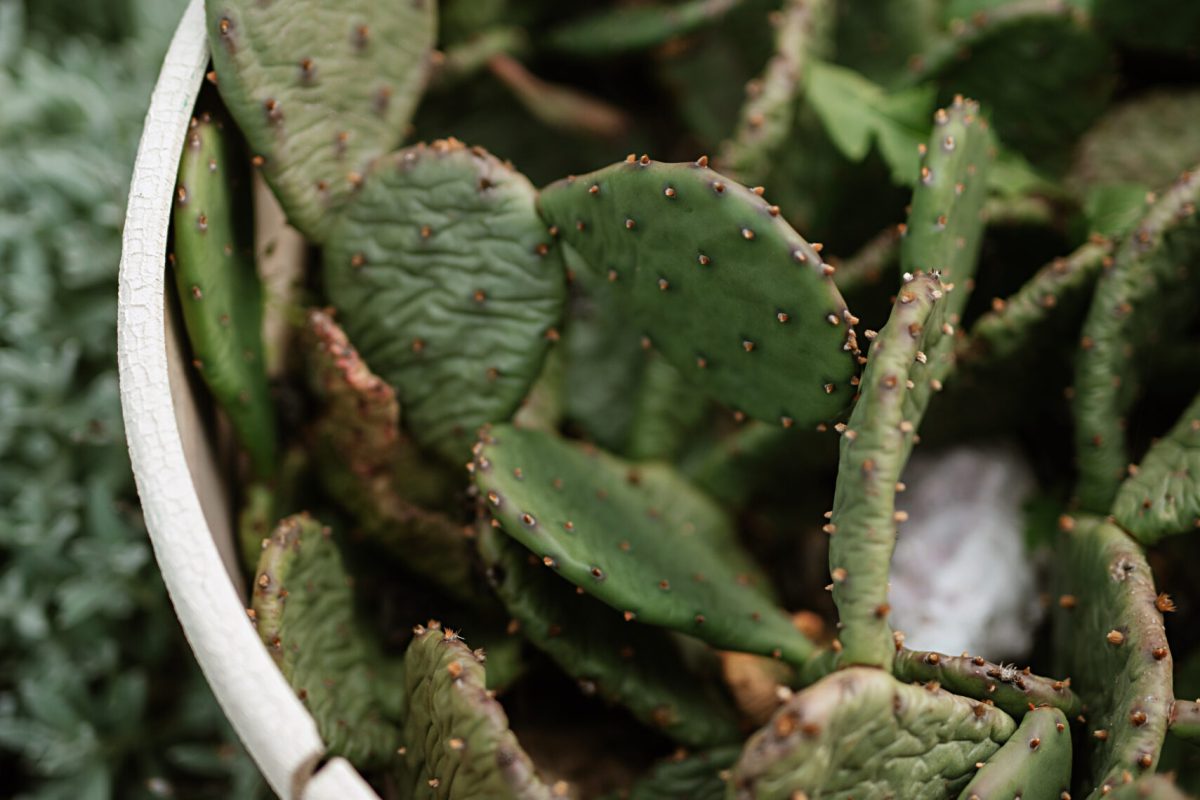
{"type": "Point", "coordinates": [99, 695]}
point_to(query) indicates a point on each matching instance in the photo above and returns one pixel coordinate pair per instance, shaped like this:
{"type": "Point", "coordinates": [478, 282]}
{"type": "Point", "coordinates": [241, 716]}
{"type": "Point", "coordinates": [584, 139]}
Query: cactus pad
{"type": "Point", "coordinates": [659, 553]}
{"type": "Point", "coordinates": [449, 287]}
{"type": "Point", "coordinates": [1109, 634]}
{"type": "Point", "coordinates": [859, 733]}
{"type": "Point", "coordinates": [1151, 787]}
{"type": "Point", "coordinates": [1058, 74]}
{"type": "Point", "coordinates": [320, 90]}
{"type": "Point", "coordinates": [1011, 689]}
{"type": "Point", "coordinates": [701, 776]}
{"type": "Point", "coordinates": [304, 609]}
{"type": "Point", "coordinates": [1013, 324]}
{"type": "Point", "coordinates": [1161, 497]}
{"type": "Point", "coordinates": [1185, 720]}
{"type": "Point", "coordinates": [456, 738]}
{"type": "Point", "coordinates": [627, 663]}
{"type": "Point", "coordinates": [636, 27]}
{"type": "Point", "coordinates": [218, 284]}
{"type": "Point", "coordinates": [370, 468]}
{"type": "Point", "coordinates": [1034, 764]}
{"type": "Point", "coordinates": [874, 447]}
{"type": "Point", "coordinates": [801, 32]}
{"type": "Point", "coordinates": [1133, 302]}
{"type": "Point", "coordinates": [733, 297]}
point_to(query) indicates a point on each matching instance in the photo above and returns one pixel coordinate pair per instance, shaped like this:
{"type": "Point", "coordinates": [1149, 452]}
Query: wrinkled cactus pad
{"type": "Point", "coordinates": [859, 733]}
{"type": "Point", "coordinates": [461, 250]}
{"type": "Point", "coordinates": [320, 90]}
{"type": "Point", "coordinates": [304, 610]}
{"type": "Point", "coordinates": [456, 740]}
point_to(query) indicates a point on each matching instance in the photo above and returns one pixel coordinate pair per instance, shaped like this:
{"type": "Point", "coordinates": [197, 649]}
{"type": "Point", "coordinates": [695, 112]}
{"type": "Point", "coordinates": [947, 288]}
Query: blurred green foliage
{"type": "Point", "coordinates": [99, 695]}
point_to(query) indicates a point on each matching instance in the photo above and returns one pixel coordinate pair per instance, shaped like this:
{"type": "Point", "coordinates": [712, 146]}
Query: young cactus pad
{"type": "Point", "coordinates": [718, 282]}
{"type": "Point", "coordinates": [860, 733]}
{"type": "Point", "coordinates": [218, 284]}
{"type": "Point", "coordinates": [448, 286]}
{"type": "Point", "coordinates": [304, 609]}
{"type": "Point", "coordinates": [457, 745]}
{"type": "Point", "coordinates": [1034, 764]}
{"type": "Point", "coordinates": [1110, 636]}
{"type": "Point", "coordinates": [319, 90]}
{"type": "Point", "coordinates": [874, 447]}
{"type": "Point", "coordinates": [1013, 690]}
{"type": "Point", "coordinates": [1160, 498]}
{"type": "Point", "coordinates": [1130, 301]}
{"type": "Point", "coordinates": [662, 559]}
{"type": "Point", "coordinates": [623, 662]}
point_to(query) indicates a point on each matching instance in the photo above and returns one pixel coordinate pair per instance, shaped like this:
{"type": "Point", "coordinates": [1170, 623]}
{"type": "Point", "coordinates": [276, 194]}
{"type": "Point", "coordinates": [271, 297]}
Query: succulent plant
{"type": "Point", "coordinates": [592, 427]}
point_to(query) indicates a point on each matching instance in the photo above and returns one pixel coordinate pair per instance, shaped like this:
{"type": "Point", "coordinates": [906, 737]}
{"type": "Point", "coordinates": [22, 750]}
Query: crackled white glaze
{"type": "Point", "coordinates": [176, 471]}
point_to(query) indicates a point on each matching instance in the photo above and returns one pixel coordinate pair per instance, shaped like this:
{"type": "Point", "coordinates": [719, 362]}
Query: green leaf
{"type": "Point", "coordinates": [856, 112]}
{"type": "Point", "coordinates": [1114, 209]}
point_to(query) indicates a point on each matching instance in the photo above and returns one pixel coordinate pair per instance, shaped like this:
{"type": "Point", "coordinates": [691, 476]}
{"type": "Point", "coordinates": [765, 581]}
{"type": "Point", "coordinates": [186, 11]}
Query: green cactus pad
{"type": "Point", "coordinates": [1185, 720]}
{"type": "Point", "coordinates": [603, 363]}
{"type": "Point", "coordinates": [320, 90]}
{"type": "Point", "coordinates": [624, 29]}
{"type": "Point", "coordinates": [1058, 74]}
{"type": "Point", "coordinates": [1011, 689]}
{"type": "Point", "coordinates": [218, 284]}
{"type": "Point", "coordinates": [456, 738]}
{"type": "Point", "coordinates": [373, 471]}
{"type": "Point", "coordinates": [733, 297]}
{"type": "Point", "coordinates": [1133, 301]}
{"type": "Point", "coordinates": [656, 550]}
{"type": "Point", "coordinates": [449, 287]}
{"type": "Point", "coordinates": [668, 411]}
{"type": "Point", "coordinates": [1161, 497]}
{"type": "Point", "coordinates": [878, 38]}
{"type": "Point", "coordinates": [1013, 324]}
{"type": "Point", "coordinates": [874, 447]}
{"type": "Point", "coordinates": [626, 663]}
{"type": "Point", "coordinates": [859, 733]}
{"type": "Point", "coordinates": [304, 609]}
{"type": "Point", "coordinates": [1155, 25]}
{"type": "Point", "coordinates": [1109, 636]}
{"type": "Point", "coordinates": [1034, 764]}
{"type": "Point", "coordinates": [544, 406]}
{"type": "Point", "coordinates": [1148, 140]}
{"type": "Point", "coordinates": [701, 776]}
{"type": "Point", "coordinates": [801, 32]}
{"type": "Point", "coordinates": [1151, 787]}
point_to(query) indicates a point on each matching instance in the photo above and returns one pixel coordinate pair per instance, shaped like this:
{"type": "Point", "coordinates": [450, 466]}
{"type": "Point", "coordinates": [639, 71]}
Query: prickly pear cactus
{"type": "Point", "coordinates": [304, 610]}
{"type": "Point", "coordinates": [627, 663]}
{"type": "Point", "coordinates": [456, 741]}
{"type": "Point", "coordinates": [1149, 276]}
{"type": "Point", "coordinates": [588, 517]}
{"type": "Point", "coordinates": [1112, 643]}
{"type": "Point", "coordinates": [624, 432]}
{"type": "Point", "coordinates": [443, 241]}
{"type": "Point", "coordinates": [1034, 764]}
{"type": "Point", "coordinates": [1009, 688]}
{"type": "Point", "coordinates": [1159, 498]}
{"type": "Point", "coordinates": [733, 297]}
{"type": "Point", "coordinates": [320, 91]}
{"type": "Point", "coordinates": [218, 283]}
{"type": "Point", "coordinates": [368, 466]}
{"type": "Point", "coordinates": [875, 445]}
{"type": "Point", "coordinates": [859, 733]}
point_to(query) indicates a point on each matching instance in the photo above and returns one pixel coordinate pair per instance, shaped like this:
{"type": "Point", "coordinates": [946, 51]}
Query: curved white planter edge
{"type": "Point", "coordinates": [272, 723]}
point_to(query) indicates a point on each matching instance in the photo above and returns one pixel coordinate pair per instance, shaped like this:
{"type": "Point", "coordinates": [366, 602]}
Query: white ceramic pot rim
{"type": "Point", "coordinates": [272, 723]}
